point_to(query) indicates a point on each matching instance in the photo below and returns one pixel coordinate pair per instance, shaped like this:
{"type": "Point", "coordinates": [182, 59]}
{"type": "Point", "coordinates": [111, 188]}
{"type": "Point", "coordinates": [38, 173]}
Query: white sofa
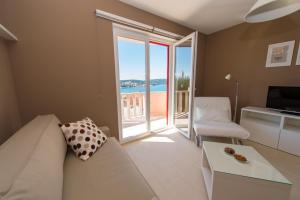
{"type": "Point", "coordinates": [36, 165]}
{"type": "Point", "coordinates": [212, 117]}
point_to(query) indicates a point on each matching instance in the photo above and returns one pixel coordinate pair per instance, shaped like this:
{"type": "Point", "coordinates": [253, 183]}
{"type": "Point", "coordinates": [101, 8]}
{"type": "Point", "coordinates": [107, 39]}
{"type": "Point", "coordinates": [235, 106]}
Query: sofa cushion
{"type": "Point", "coordinates": [42, 175]}
{"type": "Point", "coordinates": [17, 150]}
{"type": "Point", "coordinates": [108, 174]}
{"type": "Point", "coordinates": [84, 137]}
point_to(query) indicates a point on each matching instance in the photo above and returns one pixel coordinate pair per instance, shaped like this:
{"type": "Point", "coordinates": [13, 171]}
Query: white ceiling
{"type": "Point", "coordinates": [207, 16]}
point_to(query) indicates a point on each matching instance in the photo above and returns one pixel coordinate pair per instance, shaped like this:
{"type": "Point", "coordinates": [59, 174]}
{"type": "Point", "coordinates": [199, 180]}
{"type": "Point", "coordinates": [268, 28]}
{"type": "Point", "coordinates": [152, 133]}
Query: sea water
{"type": "Point", "coordinates": [153, 88]}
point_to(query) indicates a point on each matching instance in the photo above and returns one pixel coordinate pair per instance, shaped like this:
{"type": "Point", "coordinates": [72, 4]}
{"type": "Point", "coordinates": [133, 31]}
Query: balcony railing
{"type": "Point", "coordinates": [134, 104]}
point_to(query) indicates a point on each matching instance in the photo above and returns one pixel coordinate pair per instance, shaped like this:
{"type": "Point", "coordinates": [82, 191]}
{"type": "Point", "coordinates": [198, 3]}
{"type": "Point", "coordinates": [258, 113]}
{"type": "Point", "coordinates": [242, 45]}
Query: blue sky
{"type": "Point", "coordinates": [132, 60]}
{"type": "Point", "coordinates": [158, 61]}
{"type": "Point", "coordinates": [183, 60]}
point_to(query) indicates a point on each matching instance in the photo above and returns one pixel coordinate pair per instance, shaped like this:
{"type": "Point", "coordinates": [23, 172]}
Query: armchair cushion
{"type": "Point", "coordinates": [212, 117]}
{"type": "Point", "coordinates": [212, 108]}
{"type": "Point", "coordinates": [220, 129]}
{"type": "Point", "coordinates": [212, 114]}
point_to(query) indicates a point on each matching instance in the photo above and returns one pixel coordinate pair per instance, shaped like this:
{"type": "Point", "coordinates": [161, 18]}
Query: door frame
{"type": "Point", "coordinates": [132, 33]}
{"type": "Point", "coordinates": [194, 37]}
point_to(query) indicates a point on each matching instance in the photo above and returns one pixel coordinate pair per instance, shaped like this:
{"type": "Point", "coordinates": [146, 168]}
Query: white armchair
{"type": "Point", "coordinates": [212, 117]}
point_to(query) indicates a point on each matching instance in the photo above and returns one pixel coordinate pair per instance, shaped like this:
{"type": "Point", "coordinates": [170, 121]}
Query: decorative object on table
{"type": "Point", "coordinates": [229, 150]}
{"type": "Point", "coordinates": [280, 54]}
{"type": "Point", "coordinates": [265, 10]}
{"type": "Point", "coordinates": [229, 77]}
{"type": "Point", "coordinates": [298, 56]}
{"type": "Point", "coordinates": [84, 137]}
{"type": "Point", "coordinates": [240, 158]}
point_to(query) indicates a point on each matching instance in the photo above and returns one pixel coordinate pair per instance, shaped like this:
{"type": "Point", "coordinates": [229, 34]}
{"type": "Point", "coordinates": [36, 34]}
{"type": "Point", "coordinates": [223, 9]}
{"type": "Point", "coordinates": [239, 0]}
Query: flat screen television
{"type": "Point", "coordinates": [285, 99]}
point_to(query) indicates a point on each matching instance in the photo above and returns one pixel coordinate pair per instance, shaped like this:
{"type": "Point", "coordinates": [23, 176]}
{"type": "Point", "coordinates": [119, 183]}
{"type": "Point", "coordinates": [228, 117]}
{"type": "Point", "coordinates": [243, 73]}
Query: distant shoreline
{"type": "Point", "coordinates": [139, 89]}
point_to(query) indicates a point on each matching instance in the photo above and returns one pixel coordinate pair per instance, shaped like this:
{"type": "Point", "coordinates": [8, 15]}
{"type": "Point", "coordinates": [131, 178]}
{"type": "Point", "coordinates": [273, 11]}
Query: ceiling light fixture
{"type": "Point", "coordinates": [265, 10]}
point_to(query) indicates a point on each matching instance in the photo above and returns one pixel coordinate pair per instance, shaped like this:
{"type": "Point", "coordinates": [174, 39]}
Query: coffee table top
{"type": "Point", "coordinates": [256, 167]}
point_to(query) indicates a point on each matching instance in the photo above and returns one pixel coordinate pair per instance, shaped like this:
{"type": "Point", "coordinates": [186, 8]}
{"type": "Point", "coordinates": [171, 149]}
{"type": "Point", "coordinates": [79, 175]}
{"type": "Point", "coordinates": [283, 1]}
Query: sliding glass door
{"type": "Point", "coordinates": [184, 72]}
{"type": "Point", "coordinates": [159, 82]}
{"type": "Point", "coordinates": [132, 85]}
{"type": "Point", "coordinates": [147, 102]}
{"type": "Point", "coordinates": [142, 76]}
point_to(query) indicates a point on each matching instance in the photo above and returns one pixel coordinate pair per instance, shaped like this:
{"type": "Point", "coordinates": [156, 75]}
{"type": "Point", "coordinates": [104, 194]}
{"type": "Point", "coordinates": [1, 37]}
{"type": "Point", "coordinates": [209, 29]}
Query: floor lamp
{"type": "Point", "coordinates": [229, 77]}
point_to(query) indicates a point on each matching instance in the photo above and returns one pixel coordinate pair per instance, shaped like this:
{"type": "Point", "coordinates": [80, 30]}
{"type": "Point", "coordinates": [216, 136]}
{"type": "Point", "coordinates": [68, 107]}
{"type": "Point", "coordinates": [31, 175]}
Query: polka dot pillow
{"type": "Point", "coordinates": [84, 137]}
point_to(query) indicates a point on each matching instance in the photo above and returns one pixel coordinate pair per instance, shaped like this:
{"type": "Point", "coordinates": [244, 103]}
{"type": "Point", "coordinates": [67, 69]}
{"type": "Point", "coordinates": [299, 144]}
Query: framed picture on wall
{"type": "Point", "coordinates": [280, 54]}
{"type": "Point", "coordinates": [298, 56]}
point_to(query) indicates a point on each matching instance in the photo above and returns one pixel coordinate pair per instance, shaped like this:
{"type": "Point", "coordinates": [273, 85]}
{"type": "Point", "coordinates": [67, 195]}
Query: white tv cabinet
{"type": "Point", "coordinates": [272, 128]}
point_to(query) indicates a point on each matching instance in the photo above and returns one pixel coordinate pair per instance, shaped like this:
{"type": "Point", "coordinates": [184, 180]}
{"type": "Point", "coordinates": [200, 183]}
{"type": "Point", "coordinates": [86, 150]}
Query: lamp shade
{"type": "Point", "coordinates": [265, 10]}
{"type": "Point", "coordinates": [228, 77]}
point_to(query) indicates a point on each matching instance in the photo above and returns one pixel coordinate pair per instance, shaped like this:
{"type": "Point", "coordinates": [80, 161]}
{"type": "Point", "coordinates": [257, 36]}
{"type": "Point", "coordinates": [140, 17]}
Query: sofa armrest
{"type": "Point", "coordinates": [105, 130]}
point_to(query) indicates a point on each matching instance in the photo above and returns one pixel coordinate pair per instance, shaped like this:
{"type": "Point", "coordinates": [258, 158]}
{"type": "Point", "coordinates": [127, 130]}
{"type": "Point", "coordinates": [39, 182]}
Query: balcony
{"type": "Point", "coordinates": [133, 108]}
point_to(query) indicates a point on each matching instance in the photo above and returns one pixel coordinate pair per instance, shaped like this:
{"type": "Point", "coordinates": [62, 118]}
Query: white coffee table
{"type": "Point", "coordinates": [228, 179]}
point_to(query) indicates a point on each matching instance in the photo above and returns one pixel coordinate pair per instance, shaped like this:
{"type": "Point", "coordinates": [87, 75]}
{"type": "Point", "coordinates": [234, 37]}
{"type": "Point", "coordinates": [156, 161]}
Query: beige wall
{"type": "Point", "coordinates": [199, 82]}
{"type": "Point", "coordinates": [64, 62]}
{"type": "Point", "coordinates": [9, 114]}
{"type": "Point", "coordinates": [242, 51]}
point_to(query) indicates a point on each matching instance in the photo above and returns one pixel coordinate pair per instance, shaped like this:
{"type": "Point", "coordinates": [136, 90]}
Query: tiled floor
{"type": "Point", "coordinates": [171, 164]}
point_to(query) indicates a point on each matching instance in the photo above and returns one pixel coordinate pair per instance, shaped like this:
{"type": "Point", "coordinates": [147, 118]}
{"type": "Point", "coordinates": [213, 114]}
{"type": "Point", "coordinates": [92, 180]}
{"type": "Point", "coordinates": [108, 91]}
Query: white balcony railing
{"type": "Point", "coordinates": [134, 104]}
